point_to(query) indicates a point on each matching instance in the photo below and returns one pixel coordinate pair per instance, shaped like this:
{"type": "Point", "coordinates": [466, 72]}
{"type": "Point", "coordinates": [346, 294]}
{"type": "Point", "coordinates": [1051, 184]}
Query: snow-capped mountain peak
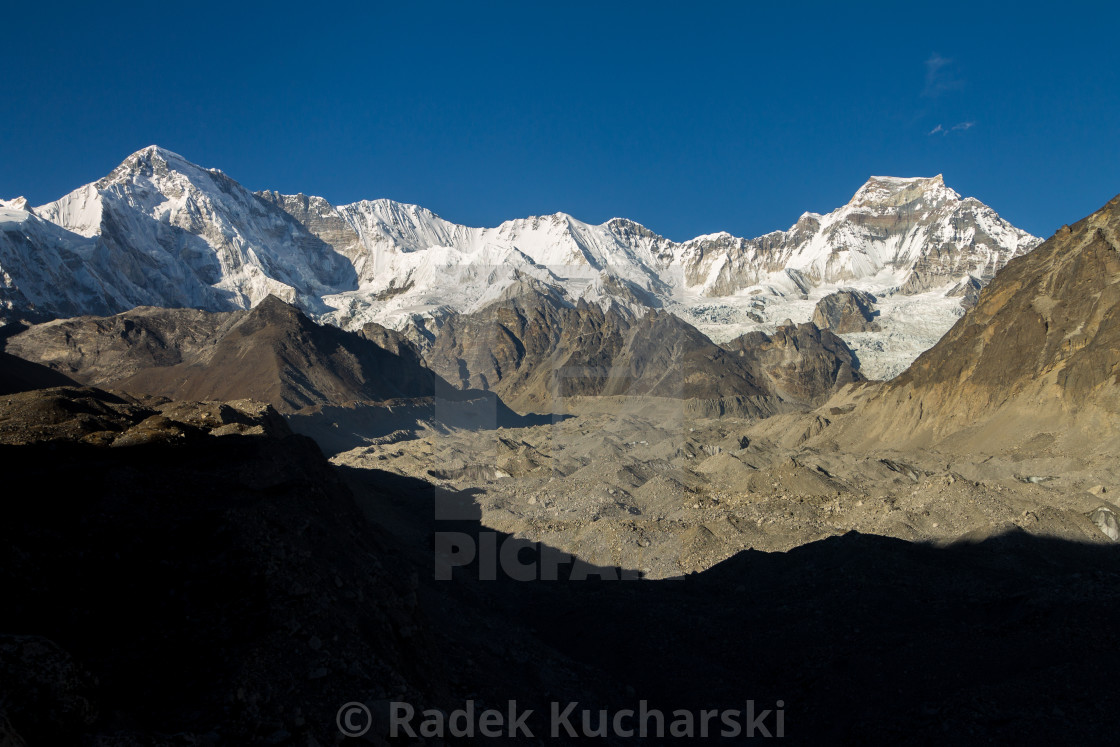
{"type": "Point", "coordinates": [160, 230]}
{"type": "Point", "coordinates": [892, 191]}
{"type": "Point", "coordinates": [170, 233]}
{"type": "Point", "coordinates": [19, 203]}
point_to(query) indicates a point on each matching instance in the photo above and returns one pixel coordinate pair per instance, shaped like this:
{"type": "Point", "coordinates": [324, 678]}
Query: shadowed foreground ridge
{"type": "Point", "coordinates": [184, 587]}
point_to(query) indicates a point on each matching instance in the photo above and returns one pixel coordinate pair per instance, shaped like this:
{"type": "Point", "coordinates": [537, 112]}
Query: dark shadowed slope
{"type": "Point", "coordinates": [18, 375]}
{"type": "Point", "coordinates": [183, 573]}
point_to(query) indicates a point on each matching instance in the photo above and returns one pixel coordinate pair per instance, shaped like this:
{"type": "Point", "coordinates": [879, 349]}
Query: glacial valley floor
{"type": "Point", "coordinates": [640, 484]}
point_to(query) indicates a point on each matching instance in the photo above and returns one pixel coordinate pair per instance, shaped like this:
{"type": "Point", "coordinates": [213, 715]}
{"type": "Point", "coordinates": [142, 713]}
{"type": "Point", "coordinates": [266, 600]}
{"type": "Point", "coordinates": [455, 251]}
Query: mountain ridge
{"type": "Point", "coordinates": [272, 353]}
{"type": "Point", "coordinates": [162, 231]}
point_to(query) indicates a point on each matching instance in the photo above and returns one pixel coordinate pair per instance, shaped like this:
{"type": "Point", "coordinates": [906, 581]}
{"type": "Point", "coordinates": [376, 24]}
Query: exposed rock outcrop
{"type": "Point", "coordinates": [968, 290]}
{"type": "Point", "coordinates": [536, 347]}
{"type": "Point", "coordinates": [846, 311]}
{"type": "Point", "coordinates": [800, 362]}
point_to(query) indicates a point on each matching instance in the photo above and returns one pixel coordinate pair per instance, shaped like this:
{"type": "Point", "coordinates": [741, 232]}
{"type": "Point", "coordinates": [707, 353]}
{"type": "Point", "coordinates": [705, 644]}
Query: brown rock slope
{"type": "Point", "coordinates": [1040, 353]}
{"type": "Point", "coordinates": [271, 353]}
{"type": "Point", "coordinates": [535, 347]}
{"type": "Point", "coordinates": [801, 363]}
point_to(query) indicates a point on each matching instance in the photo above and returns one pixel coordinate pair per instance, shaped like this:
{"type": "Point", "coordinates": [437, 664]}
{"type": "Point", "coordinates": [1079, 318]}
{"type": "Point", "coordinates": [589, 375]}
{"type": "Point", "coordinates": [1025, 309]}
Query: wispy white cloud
{"type": "Point", "coordinates": [941, 76]}
{"type": "Point", "coordinates": [958, 127]}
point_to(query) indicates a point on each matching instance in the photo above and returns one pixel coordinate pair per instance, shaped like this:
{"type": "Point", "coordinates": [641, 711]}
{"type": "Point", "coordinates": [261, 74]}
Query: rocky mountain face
{"type": "Point", "coordinates": [161, 231]}
{"type": "Point", "coordinates": [908, 236]}
{"type": "Point", "coordinates": [532, 350]}
{"type": "Point", "coordinates": [968, 290]}
{"type": "Point", "coordinates": [536, 348]}
{"type": "Point", "coordinates": [273, 353]}
{"type": "Point", "coordinates": [846, 311]}
{"type": "Point", "coordinates": [1039, 353]}
{"type": "Point", "coordinates": [800, 362]}
{"type": "Point", "coordinates": [341, 388]}
{"type": "Point", "coordinates": [322, 219]}
{"type": "Point", "coordinates": [918, 231]}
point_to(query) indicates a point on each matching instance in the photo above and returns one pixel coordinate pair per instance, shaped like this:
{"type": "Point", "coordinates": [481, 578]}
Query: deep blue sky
{"type": "Point", "coordinates": [688, 117]}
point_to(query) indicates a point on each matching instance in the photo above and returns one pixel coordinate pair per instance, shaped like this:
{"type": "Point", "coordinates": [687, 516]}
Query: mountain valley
{"type": "Point", "coordinates": [238, 428]}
